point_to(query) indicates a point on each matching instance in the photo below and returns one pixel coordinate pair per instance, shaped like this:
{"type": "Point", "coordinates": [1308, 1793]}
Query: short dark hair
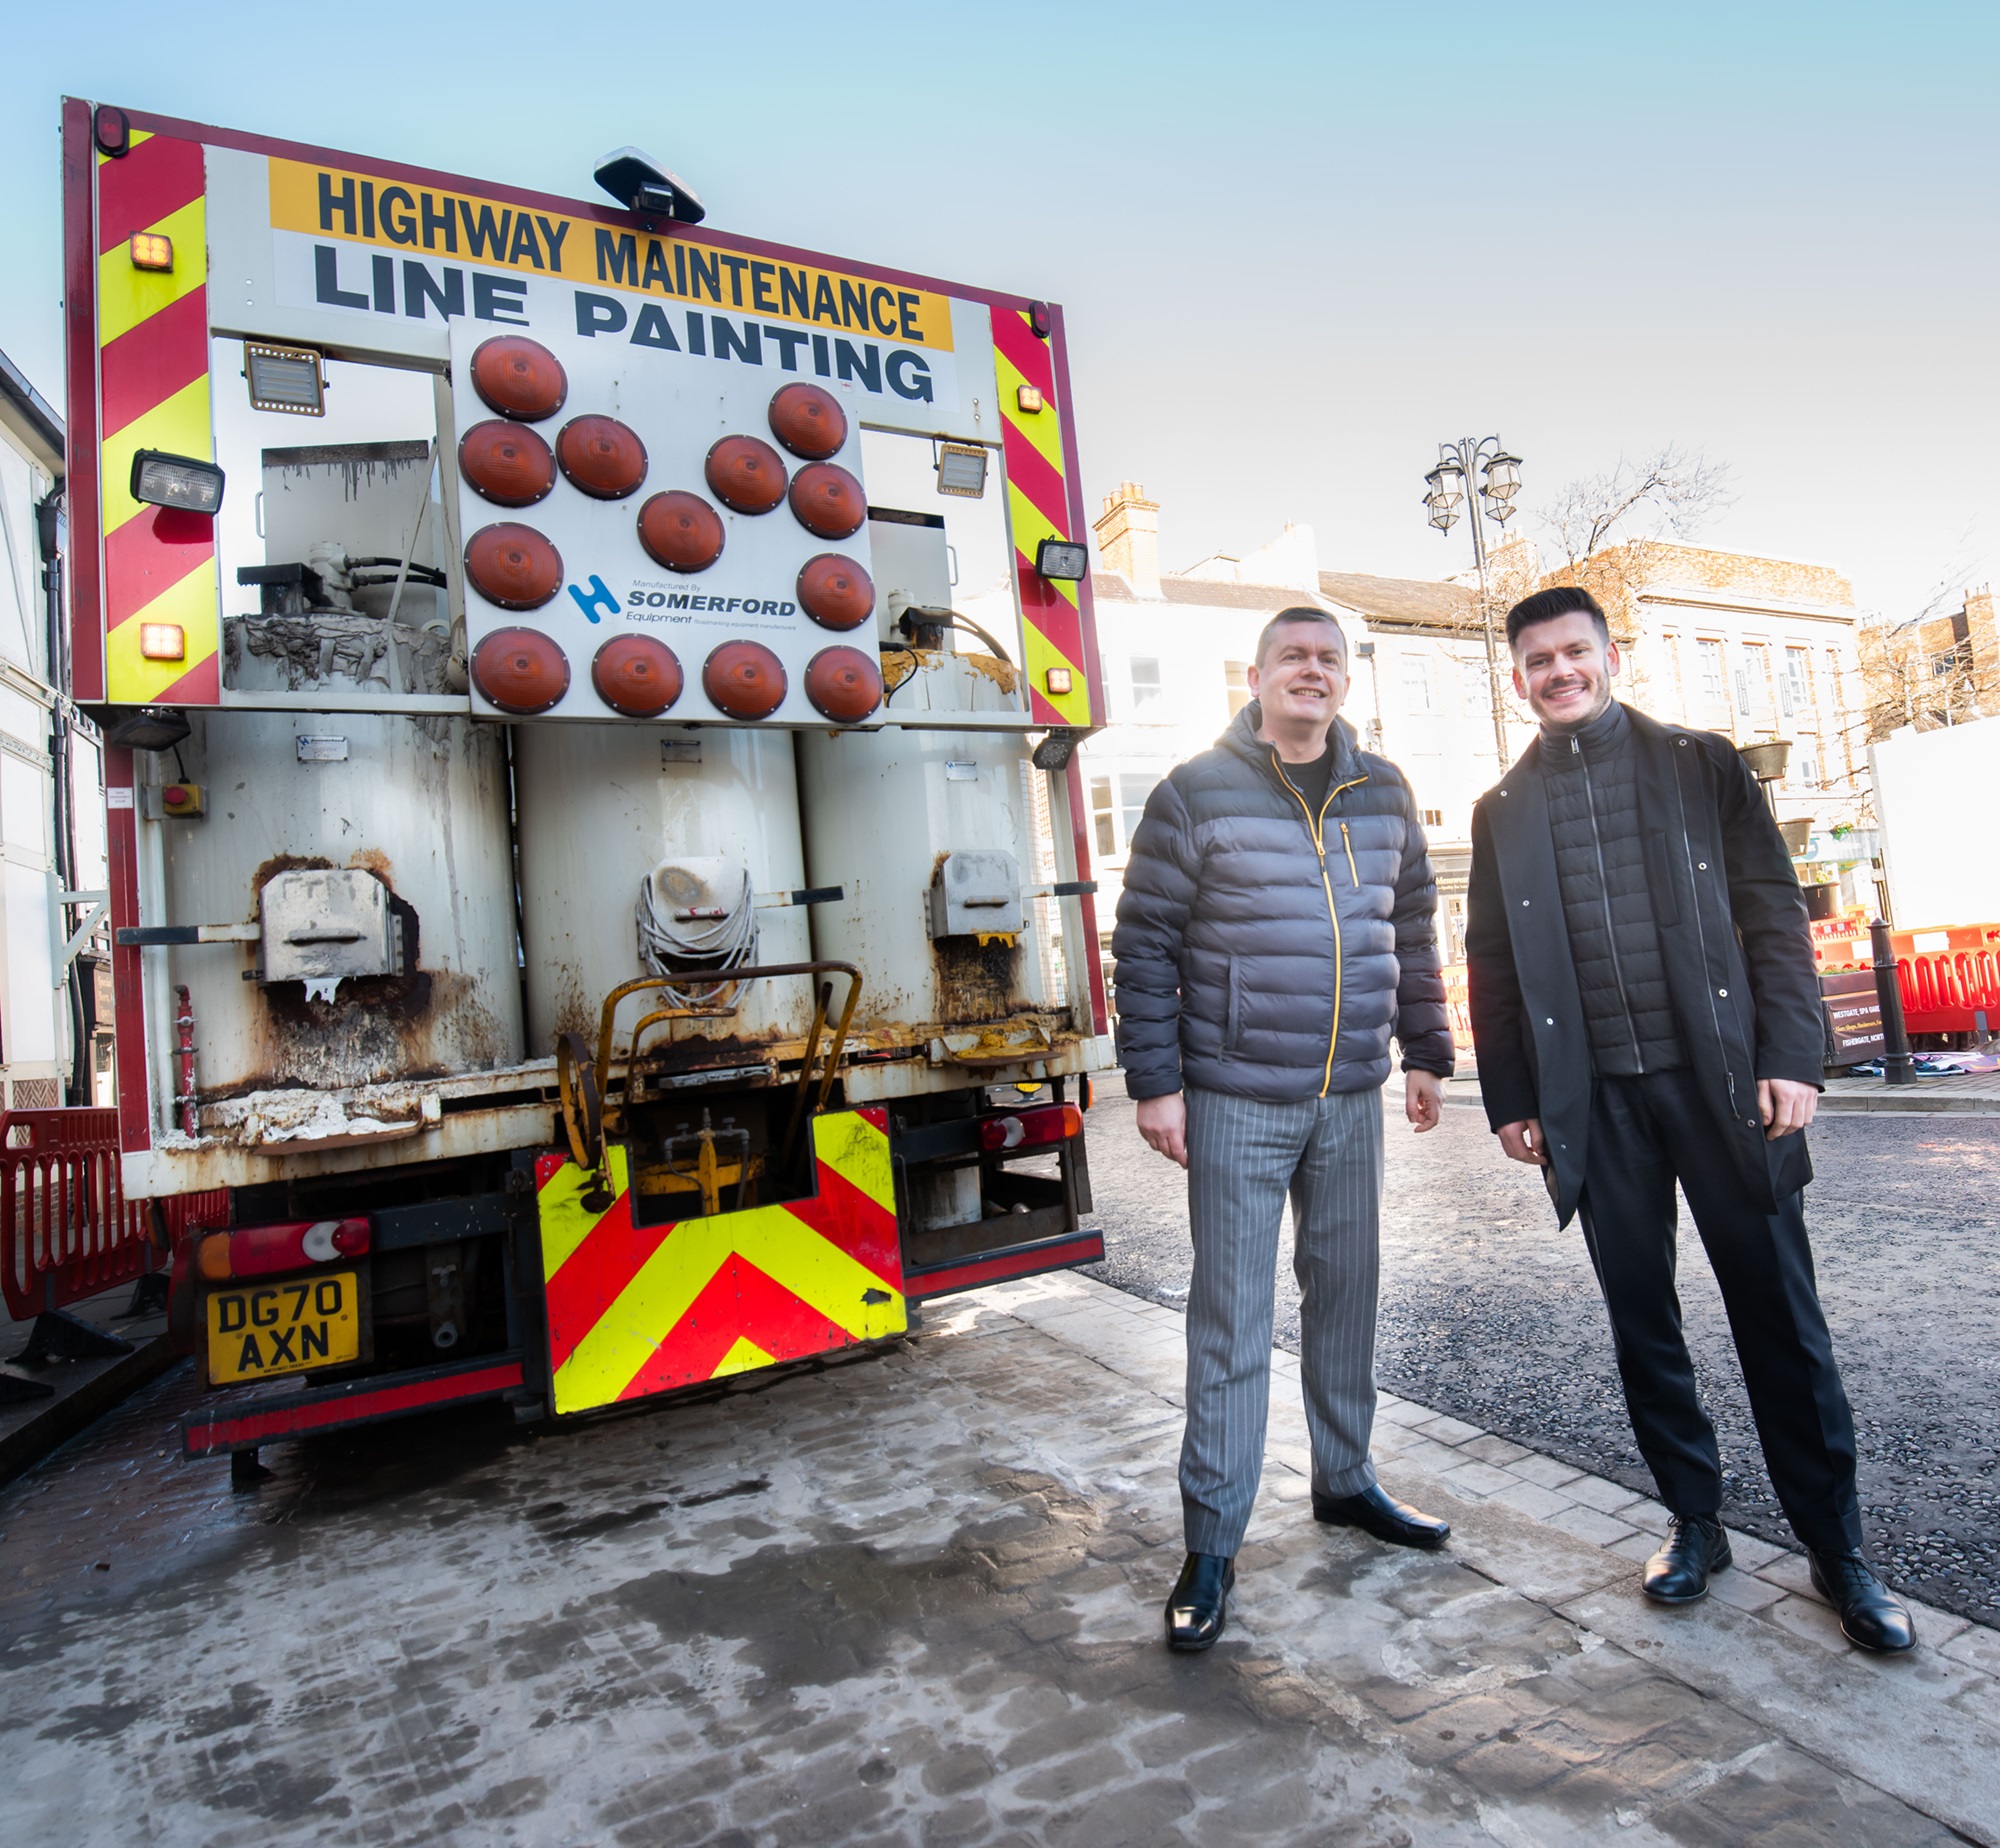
{"type": "Point", "coordinates": [1547, 605]}
{"type": "Point", "coordinates": [1299, 612]}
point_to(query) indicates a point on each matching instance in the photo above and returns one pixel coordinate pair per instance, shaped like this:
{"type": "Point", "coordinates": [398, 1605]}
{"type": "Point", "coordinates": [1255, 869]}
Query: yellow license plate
{"type": "Point", "coordinates": [261, 1329]}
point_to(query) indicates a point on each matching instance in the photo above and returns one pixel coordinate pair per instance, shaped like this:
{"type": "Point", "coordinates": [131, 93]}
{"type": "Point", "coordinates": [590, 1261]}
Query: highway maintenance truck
{"type": "Point", "coordinates": [597, 870]}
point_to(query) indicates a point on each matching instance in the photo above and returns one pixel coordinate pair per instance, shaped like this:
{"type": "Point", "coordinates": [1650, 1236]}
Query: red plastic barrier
{"type": "Point", "coordinates": [1944, 985]}
{"type": "Point", "coordinates": [1458, 1007]}
{"type": "Point", "coordinates": [66, 1229]}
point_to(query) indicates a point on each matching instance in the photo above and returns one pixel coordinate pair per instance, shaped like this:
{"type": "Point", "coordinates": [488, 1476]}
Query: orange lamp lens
{"type": "Point", "coordinates": [827, 500]}
{"type": "Point", "coordinates": [637, 676]}
{"type": "Point", "coordinates": [162, 641]}
{"type": "Point", "coordinates": [681, 531]}
{"type": "Point", "coordinates": [152, 250]}
{"type": "Point", "coordinates": [808, 421]}
{"type": "Point", "coordinates": [835, 592]}
{"type": "Point", "coordinates": [843, 684]}
{"type": "Point", "coordinates": [744, 679]}
{"type": "Point", "coordinates": [211, 1258]}
{"type": "Point", "coordinates": [519, 378]}
{"type": "Point", "coordinates": [506, 463]}
{"type": "Point", "coordinates": [745, 473]}
{"type": "Point", "coordinates": [520, 670]}
{"type": "Point", "coordinates": [601, 457]}
{"type": "Point", "coordinates": [513, 566]}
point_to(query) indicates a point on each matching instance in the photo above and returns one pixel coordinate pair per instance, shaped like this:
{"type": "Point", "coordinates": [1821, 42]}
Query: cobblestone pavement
{"type": "Point", "coordinates": [915, 1599]}
{"type": "Point", "coordinates": [1490, 1312]}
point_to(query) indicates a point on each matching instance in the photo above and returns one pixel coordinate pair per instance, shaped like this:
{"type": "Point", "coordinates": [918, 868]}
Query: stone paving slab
{"type": "Point", "coordinates": [915, 1599]}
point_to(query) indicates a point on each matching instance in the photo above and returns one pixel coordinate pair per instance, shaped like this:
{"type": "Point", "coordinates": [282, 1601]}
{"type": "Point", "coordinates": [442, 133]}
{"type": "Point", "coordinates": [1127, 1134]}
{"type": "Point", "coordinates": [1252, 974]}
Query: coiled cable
{"type": "Point", "coordinates": [721, 938]}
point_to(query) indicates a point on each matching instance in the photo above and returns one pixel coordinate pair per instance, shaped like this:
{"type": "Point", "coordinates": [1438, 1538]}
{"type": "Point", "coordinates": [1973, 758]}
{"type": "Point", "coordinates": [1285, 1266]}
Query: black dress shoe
{"type": "Point", "coordinates": [1377, 1512]}
{"type": "Point", "coordinates": [1199, 1607]}
{"type": "Point", "coordinates": [1871, 1615]}
{"type": "Point", "coordinates": [1694, 1547]}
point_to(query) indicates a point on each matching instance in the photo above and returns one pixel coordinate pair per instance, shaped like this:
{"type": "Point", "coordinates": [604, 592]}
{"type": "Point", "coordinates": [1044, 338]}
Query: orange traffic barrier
{"type": "Point", "coordinates": [1947, 977]}
{"type": "Point", "coordinates": [66, 1229]}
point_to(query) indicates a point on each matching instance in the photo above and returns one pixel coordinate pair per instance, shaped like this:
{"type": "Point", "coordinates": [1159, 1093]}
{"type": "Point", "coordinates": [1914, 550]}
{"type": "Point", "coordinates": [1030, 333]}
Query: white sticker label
{"type": "Point", "coordinates": [322, 750]}
{"type": "Point", "coordinates": [960, 773]}
{"type": "Point", "coordinates": [118, 798]}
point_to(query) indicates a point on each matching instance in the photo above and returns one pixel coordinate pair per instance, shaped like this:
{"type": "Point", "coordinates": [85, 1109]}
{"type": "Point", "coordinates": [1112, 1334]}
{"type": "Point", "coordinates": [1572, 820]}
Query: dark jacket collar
{"type": "Point", "coordinates": [1241, 738]}
{"type": "Point", "coordinates": [1608, 732]}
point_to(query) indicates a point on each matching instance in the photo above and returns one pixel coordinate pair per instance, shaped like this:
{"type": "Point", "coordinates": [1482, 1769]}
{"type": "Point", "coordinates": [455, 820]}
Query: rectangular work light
{"type": "Point", "coordinates": [961, 470]}
{"type": "Point", "coordinates": [162, 480]}
{"type": "Point", "coordinates": [1062, 558]}
{"type": "Point", "coordinates": [162, 641]}
{"type": "Point", "coordinates": [152, 250]}
{"type": "Point", "coordinates": [284, 379]}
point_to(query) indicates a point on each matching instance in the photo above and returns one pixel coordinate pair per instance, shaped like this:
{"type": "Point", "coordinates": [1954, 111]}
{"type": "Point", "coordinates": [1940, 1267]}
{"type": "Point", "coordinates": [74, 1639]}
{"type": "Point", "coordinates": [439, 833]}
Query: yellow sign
{"type": "Point", "coordinates": [257, 1330]}
{"type": "Point", "coordinates": [394, 215]}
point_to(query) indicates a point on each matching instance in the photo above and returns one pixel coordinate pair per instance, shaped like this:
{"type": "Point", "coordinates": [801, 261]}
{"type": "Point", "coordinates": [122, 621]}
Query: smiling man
{"type": "Point", "coordinates": [1276, 927]}
{"type": "Point", "coordinates": [1646, 1012]}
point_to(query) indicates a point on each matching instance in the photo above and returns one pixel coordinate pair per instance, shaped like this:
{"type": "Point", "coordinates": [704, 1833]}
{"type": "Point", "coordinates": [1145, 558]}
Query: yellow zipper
{"type": "Point", "coordinates": [1313, 827]}
{"type": "Point", "coordinates": [1349, 845]}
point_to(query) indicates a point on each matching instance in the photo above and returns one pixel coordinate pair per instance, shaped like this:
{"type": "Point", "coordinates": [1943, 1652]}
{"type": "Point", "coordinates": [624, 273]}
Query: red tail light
{"type": "Point", "coordinates": [601, 457]}
{"type": "Point", "coordinates": [843, 684]}
{"type": "Point", "coordinates": [513, 566]}
{"type": "Point", "coordinates": [808, 421]}
{"type": "Point", "coordinates": [520, 670]}
{"type": "Point", "coordinates": [835, 592]}
{"type": "Point", "coordinates": [681, 531]}
{"type": "Point", "coordinates": [506, 462]}
{"type": "Point", "coordinates": [745, 680]}
{"type": "Point", "coordinates": [519, 378]}
{"type": "Point", "coordinates": [828, 500]}
{"type": "Point", "coordinates": [263, 1251]}
{"type": "Point", "coordinates": [746, 473]}
{"type": "Point", "coordinates": [1029, 1129]}
{"type": "Point", "coordinates": [637, 676]}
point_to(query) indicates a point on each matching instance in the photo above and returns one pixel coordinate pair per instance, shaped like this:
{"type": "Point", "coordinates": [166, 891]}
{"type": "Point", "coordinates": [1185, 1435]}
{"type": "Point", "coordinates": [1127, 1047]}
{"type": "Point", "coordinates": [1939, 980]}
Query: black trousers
{"type": "Point", "coordinates": [1646, 1133]}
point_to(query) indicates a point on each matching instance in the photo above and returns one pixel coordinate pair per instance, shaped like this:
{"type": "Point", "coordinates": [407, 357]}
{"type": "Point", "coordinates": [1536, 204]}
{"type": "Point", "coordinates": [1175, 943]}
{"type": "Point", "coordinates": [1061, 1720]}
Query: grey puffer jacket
{"type": "Point", "coordinates": [1269, 952]}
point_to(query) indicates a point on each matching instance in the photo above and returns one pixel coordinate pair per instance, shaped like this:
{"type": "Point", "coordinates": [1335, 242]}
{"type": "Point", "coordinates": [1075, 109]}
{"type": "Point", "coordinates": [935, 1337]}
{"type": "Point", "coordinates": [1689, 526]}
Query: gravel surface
{"type": "Point", "coordinates": [1491, 1313]}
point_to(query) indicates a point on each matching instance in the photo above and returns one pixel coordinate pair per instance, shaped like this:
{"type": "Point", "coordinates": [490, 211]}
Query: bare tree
{"type": "Point", "coordinates": [1679, 487]}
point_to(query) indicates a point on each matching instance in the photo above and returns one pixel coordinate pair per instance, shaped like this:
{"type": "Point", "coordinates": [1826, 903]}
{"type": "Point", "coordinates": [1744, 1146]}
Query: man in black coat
{"type": "Point", "coordinates": [1645, 1010]}
{"type": "Point", "coordinates": [1276, 929]}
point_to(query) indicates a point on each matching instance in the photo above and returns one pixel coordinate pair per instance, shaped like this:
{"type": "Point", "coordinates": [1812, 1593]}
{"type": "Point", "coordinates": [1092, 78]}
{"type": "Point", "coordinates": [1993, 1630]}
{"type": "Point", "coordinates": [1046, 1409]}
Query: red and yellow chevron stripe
{"type": "Point", "coordinates": [152, 340]}
{"type": "Point", "coordinates": [637, 1310]}
{"type": "Point", "coordinates": [1038, 508]}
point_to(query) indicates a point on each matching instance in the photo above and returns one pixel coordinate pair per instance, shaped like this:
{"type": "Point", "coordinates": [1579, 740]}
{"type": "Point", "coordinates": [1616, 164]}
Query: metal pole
{"type": "Point", "coordinates": [1896, 1064]}
{"type": "Point", "coordinates": [1468, 455]}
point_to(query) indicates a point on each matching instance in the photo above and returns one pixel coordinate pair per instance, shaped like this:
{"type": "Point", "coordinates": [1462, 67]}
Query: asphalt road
{"type": "Point", "coordinates": [1491, 1313]}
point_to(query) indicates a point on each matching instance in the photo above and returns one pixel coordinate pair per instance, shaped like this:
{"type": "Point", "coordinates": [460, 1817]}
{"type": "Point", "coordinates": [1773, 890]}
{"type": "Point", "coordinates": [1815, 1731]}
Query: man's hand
{"type": "Point", "coordinates": [1423, 1099]}
{"type": "Point", "coordinates": [1524, 1142]}
{"type": "Point", "coordinates": [1163, 1122]}
{"type": "Point", "coordinates": [1785, 1105]}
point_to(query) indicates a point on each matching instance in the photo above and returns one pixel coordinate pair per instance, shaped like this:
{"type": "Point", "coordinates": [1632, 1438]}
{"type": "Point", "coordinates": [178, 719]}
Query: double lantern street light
{"type": "Point", "coordinates": [1499, 478]}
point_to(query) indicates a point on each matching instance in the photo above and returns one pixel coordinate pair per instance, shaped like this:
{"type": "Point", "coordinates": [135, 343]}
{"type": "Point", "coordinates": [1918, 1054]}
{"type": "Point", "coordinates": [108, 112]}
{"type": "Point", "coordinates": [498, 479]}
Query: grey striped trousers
{"type": "Point", "coordinates": [1244, 1156]}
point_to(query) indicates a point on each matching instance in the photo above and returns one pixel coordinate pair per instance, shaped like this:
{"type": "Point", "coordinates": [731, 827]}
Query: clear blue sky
{"type": "Point", "coordinates": [1296, 244]}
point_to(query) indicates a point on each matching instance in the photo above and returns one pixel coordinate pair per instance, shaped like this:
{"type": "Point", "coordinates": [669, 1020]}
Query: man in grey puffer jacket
{"type": "Point", "coordinates": [1276, 927]}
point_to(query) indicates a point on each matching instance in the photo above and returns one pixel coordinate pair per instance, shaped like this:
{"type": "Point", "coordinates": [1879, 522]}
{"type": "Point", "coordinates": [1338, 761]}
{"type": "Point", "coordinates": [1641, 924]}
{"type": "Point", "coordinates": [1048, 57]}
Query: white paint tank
{"type": "Point", "coordinates": [600, 807]}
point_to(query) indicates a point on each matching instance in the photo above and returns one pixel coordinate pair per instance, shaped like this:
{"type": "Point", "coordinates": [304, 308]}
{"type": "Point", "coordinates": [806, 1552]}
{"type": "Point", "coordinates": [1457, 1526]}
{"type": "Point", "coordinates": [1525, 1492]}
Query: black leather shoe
{"type": "Point", "coordinates": [1377, 1512]}
{"type": "Point", "coordinates": [1871, 1615]}
{"type": "Point", "coordinates": [1199, 1608]}
{"type": "Point", "coordinates": [1678, 1573]}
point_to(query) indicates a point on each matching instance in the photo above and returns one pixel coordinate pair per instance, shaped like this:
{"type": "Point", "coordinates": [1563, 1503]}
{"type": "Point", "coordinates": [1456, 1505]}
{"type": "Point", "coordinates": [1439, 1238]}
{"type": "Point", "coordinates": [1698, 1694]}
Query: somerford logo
{"type": "Point", "coordinates": [598, 602]}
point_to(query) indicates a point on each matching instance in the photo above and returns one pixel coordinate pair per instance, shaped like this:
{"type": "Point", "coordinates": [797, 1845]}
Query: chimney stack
{"type": "Point", "coordinates": [1128, 537]}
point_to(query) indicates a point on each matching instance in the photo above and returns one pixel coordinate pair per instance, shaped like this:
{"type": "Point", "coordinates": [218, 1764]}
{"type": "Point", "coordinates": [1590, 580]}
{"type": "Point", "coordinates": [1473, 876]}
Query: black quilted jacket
{"type": "Point", "coordinates": [1269, 952]}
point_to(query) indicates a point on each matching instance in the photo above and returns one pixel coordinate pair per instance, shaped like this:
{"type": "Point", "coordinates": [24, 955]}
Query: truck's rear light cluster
{"type": "Point", "coordinates": [827, 500]}
{"type": "Point", "coordinates": [264, 1251]}
{"type": "Point", "coordinates": [519, 378]}
{"type": "Point", "coordinates": [835, 592]}
{"type": "Point", "coordinates": [602, 457]}
{"type": "Point", "coordinates": [520, 670]}
{"type": "Point", "coordinates": [1028, 1129]}
{"type": "Point", "coordinates": [745, 474]}
{"type": "Point", "coordinates": [513, 565]}
{"type": "Point", "coordinates": [637, 676]}
{"type": "Point", "coordinates": [744, 679]}
{"type": "Point", "coordinates": [506, 463]}
{"type": "Point", "coordinates": [843, 684]}
{"type": "Point", "coordinates": [808, 421]}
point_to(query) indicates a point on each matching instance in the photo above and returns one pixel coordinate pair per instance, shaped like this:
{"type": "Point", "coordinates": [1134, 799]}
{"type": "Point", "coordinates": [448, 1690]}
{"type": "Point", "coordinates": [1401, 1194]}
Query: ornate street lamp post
{"type": "Point", "coordinates": [1499, 480]}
